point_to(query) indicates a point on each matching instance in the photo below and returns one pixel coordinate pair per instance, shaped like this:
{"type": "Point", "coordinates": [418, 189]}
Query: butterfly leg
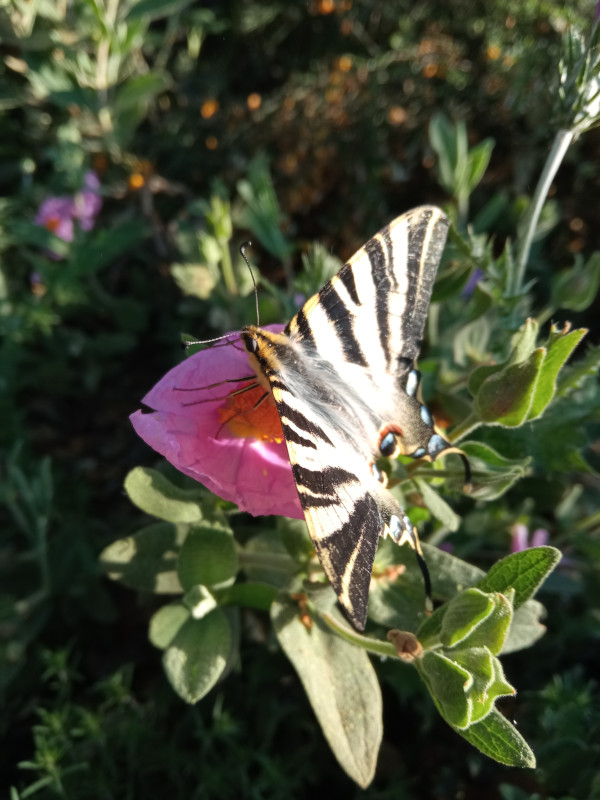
{"type": "Point", "coordinates": [402, 532]}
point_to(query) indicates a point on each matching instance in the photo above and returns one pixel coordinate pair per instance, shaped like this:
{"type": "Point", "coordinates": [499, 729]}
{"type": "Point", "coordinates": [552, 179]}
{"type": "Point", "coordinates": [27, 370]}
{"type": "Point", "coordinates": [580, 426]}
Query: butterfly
{"type": "Point", "coordinates": [347, 390]}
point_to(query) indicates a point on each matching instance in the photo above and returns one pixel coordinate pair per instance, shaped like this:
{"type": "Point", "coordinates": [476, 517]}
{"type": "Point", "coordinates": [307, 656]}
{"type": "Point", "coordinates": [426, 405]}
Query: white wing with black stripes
{"type": "Point", "coordinates": [343, 377]}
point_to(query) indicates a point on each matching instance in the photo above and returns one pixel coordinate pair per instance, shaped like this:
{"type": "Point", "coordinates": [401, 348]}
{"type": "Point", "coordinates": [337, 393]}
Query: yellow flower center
{"type": "Point", "coordinates": [246, 417]}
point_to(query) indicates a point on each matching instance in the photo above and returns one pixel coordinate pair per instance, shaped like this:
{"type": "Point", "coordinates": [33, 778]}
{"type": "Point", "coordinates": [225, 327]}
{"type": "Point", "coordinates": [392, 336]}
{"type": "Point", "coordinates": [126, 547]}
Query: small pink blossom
{"type": "Point", "coordinates": [57, 213]}
{"type": "Point", "coordinates": [88, 201]}
{"type": "Point", "coordinates": [520, 537]}
{"type": "Point", "coordinates": [187, 429]}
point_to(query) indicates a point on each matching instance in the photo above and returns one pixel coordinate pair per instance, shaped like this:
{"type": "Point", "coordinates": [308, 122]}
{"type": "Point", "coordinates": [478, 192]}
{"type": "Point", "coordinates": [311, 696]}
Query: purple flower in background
{"type": "Point", "coordinates": [88, 202]}
{"type": "Point", "coordinates": [470, 285]}
{"type": "Point", "coordinates": [520, 537]}
{"type": "Point", "coordinates": [57, 213]}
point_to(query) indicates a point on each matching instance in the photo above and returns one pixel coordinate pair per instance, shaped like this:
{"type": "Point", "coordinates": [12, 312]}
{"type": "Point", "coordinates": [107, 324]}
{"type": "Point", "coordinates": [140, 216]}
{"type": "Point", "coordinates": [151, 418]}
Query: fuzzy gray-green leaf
{"type": "Point", "coordinates": [341, 685]}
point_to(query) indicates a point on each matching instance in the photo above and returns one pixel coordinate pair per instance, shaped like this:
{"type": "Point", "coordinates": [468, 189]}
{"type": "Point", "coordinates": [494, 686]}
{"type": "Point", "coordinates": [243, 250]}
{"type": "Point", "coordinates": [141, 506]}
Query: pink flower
{"type": "Point", "coordinates": [520, 537]}
{"type": "Point", "coordinates": [88, 202]}
{"type": "Point", "coordinates": [57, 213]}
{"type": "Point", "coordinates": [189, 427]}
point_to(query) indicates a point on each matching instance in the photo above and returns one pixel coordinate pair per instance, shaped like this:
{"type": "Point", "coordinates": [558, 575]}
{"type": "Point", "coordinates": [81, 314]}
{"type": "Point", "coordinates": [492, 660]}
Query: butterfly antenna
{"type": "Point", "coordinates": [185, 345]}
{"type": "Point", "coordinates": [243, 252]}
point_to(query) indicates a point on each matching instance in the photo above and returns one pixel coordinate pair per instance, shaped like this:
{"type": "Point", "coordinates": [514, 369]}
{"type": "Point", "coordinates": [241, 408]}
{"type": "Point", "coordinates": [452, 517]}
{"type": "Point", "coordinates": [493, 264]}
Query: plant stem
{"type": "Point", "coordinates": [227, 267]}
{"type": "Point", "coordinates": [462, 429]}
{"type": "Point", "coordinates": [560, 146]}
{"type": "Point", "coordinates": [278, 562]}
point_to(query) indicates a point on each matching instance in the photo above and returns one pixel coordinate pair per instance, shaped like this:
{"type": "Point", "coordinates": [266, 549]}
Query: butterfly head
{"type": "Point", "coordinates": [413, 433]}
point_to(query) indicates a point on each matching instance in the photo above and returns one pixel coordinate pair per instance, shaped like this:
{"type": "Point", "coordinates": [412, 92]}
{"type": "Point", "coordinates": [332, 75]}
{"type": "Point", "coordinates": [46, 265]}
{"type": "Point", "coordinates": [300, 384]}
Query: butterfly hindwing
{"type": "Point", "coordinates": [341, 374]}
{"type": "Point", "coordinates": [343, 517]}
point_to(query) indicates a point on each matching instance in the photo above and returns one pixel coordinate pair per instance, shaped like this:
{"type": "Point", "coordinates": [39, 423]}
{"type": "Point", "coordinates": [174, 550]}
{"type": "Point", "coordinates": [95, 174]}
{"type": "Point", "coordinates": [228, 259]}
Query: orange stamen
{"type": "Point", "coordinates": [52, 223]}
{"type": "Point", "coordinates": [245, 419]}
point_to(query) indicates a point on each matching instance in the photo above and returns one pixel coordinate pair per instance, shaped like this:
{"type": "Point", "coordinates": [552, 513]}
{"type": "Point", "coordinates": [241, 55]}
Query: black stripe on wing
{"type": "Point", "coordinates": [426, 238]}
{"type": "Point", "coordinates": [323, 482]}
{"type": "Point", "coordinates": [302, 330]}
{"type": "Point", "coordinates": [297, 418]}
{"type": "Point", "coordinates": [343, 326]}
{"type": "Point", "coordinates": [380, 275]}
{"type": "Point", "coordinates": [348, 552]}
{"type": "Point", "coordinates": [346, 276]}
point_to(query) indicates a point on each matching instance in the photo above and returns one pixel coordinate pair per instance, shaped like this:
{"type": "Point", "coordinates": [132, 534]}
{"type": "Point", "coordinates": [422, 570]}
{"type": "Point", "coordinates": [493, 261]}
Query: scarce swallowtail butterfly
{"type": "Point", "coordinates": [344, 381]}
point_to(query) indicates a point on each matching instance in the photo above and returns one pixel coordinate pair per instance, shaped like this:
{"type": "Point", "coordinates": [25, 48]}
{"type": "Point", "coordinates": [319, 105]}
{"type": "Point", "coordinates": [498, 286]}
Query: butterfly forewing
{"type": "Point", "coordinates": [373, 312]}
{"type": "Point", "coordinates": [338, 375]}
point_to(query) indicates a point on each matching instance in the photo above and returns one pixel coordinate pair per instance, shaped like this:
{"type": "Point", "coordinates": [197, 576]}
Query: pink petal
{"type": "Point", "coordinates": [255, 475]}
{"type": "Point", "coordinates": [56, 214]}
{"type": "Point", "coordinates": [520, 537]}
{"type": "Point", "coordinates": [88, 201]}
{"type": "Point", "coordinates": [540, 537]}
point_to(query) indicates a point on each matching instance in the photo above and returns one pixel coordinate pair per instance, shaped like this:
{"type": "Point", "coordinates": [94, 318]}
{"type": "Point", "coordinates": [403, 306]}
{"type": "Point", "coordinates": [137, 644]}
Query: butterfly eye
{"type": "Point", "coordinates": [251, 345]}
{"type": "Point", "coordinates": [387, 446]}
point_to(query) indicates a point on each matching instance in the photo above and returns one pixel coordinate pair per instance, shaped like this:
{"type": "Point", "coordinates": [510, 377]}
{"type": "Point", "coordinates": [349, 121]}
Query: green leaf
{"type": "Point", "coordinates": [488, 683]}
{"type": "Point", "coordinates": [481, 302]}
{"type": "Point", "coordinates": [451, 281]}
{"type": "Point", "coordinates": [265, 559]}
{"type": "Point", "coordinates": [136, 94]}
{"type": "Point", "coordinates": [200, 601]}
{"type": "Point", "coordinates": [492, 458]}
{"type": "Point", "coordinates": [149, 10]}
{"type": "Point", "coordinates": [197, 280]}
{"type": "Point", "coordinates": [575, 288]}
{"type": "Point", "coordinates": [437, 505]}
{"type": "Point", "coordinates": [525, 628]}
{"type": "Point", "coordinates": [464, 683]}
{"type": "Point", "coordinates": [444, 138]}
{"type": "Point", "coordinates": [397, 595]}
{"type": "Point", "coordinates": [341, 685]}
{"type": "Point", "coordinates": [524, 572]}
{"type": "Point", "coordinates": [465, 612]}
{"type": "Point", "coordinates": [479, 158]}
{"type": "Point", "coordinates": [261, 212]}
{"type": "Point", "coordinates": [573, 377]}
{"type": "Point", "coordinates": [479, 375]}
{"type": "Point", "coordinates": [197, 656]}
{"type": "Point", "coordinates": [476, 619]}
{"type": "Point", "coordinates": [147, 560]}
{"type": "Point", "coordinates": [448, 684]}
{"type": "Point", "coordinates": [497, 738]}
{"type": "Point", "coordinates": [450, 575]}
{"type": "Point", "coordinates": [166, 623]}
{"type": "Point", "coordinates": [250, 595]}
{"type": "Point", "coordinates": [207, 557]}
{"type": "Point", "coordinates": [505, 398]}
{"type": "Point", "coordinates": [494, 474]}
{"type": "Point", "coordinates": [522, 343]}
{"type": "Point", "coordinates": [522, 346]}
{"type": "Point", "coordinates": [295, 538]}
{"type": "Point", "coordinates": [559, 347]}
{"type": "Point", "coordinates": [151, 492]}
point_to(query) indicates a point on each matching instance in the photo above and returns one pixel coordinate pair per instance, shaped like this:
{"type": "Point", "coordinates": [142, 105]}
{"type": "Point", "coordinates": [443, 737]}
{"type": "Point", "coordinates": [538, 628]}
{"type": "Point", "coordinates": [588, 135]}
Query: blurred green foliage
{"type": "Point", "coordinates": [174, 105]}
